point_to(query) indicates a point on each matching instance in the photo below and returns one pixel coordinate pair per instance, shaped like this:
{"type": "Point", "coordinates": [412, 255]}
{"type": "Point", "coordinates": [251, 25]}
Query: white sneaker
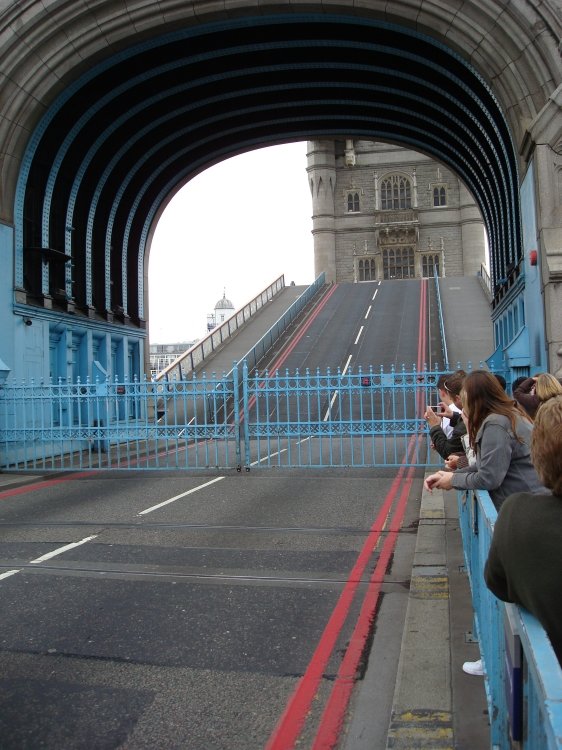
{"type": "Point", "coordinates": [473, 667]}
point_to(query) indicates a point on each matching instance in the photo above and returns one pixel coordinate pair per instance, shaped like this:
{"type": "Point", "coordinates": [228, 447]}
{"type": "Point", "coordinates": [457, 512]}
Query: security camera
{"type": "Point", "coordinates": [28, 321]}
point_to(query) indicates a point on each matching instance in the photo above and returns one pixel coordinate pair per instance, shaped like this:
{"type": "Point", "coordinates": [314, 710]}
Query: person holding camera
{"type": "Point", "coordinates": [445, 442]}
{"type": "Point", "coordinates": [499, 432]}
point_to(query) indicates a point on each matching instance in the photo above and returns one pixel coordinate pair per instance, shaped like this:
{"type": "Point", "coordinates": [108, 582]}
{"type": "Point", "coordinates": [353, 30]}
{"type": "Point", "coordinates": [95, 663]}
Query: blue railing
{"type": "Point", "coordinates": [114, 425]}
{"type": "Point", "coordinates": [522, 675]}
{"type": "Point", "coordinates": [441, 323]}
{"type": "Point", "coordinates": [366, 417]}
{"type": "Point", "coordinates": [186, 363]}
{"type": "Point", "coordinates": [363, 417]}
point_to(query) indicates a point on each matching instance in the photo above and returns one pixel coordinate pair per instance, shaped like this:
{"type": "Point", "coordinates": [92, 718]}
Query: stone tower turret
{"type": "Point", "coordinates": [321, 171]}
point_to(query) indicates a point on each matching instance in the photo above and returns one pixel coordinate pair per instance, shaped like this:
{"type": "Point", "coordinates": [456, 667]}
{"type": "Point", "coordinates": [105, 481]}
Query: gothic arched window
{"type": "Point", "coordinates": [367, 269]}
{"type": "Point", "coordinates": [430, 265]}
{"type": "Point", "coordinates": [398, 263]}
{"type": "Point", "coordinates": [439, 196]}
{"type": "Point", "coordinates": [353, 201]}
{"type": "Point", "coordinates": [396, 193]}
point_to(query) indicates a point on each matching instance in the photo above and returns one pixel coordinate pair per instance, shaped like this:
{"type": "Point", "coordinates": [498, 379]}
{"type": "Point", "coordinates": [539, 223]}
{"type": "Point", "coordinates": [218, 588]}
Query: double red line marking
{"type": "Point", "coordinates": [292, 721]}
{"type": "Point", "coordinates": [294, 716]}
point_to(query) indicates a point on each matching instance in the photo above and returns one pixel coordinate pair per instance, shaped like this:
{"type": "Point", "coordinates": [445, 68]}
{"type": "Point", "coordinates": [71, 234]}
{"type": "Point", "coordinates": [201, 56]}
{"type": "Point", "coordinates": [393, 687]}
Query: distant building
{"type": "Point", "coordinates": [223, 310]}
{"type": "Point", "coordinates": [386, 212]}
{"type": "Point", "coordinates": [162, 355]}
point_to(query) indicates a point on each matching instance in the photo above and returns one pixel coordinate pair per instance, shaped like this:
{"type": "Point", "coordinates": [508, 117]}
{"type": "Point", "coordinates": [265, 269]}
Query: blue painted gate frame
{"type": "Point", "coordinates": [283, 419]}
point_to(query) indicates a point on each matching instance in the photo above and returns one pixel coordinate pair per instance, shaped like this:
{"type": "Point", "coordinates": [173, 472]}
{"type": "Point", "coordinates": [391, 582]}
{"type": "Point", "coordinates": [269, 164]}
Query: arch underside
{"type": "Point", "coordinates": [122, 139]}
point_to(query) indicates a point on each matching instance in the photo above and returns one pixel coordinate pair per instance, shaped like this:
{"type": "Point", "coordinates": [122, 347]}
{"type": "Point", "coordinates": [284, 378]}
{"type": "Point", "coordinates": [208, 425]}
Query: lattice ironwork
{"type": "Point", "coordinates": [292, 419]}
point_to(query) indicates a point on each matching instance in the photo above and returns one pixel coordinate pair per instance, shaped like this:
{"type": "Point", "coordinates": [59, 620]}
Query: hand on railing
{"type": "Point", "coordinates": [441, 480]}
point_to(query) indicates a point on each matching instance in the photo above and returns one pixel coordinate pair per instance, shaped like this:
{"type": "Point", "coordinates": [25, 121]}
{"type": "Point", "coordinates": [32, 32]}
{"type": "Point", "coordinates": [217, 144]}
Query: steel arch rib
{"type": "Point", "coordinates": [506, 171]}
{"type": "Point", "coordinates": [178, 135]}
{"type": "Point", "coordinates": [468, 173]}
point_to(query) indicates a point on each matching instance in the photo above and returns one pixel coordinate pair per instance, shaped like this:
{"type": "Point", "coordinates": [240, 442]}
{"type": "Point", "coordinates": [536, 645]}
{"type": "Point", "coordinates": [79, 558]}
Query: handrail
{"type": "Point", "coordinates": [253, 356]}
{"type": "Point", "coordinates": [193, 357]}
{"type": "Point", "coordinates": [486, 280]}
{"type": "Point", "coordinates": [524, 698]}
{"type": "Point", "coordinates": [441, 323]}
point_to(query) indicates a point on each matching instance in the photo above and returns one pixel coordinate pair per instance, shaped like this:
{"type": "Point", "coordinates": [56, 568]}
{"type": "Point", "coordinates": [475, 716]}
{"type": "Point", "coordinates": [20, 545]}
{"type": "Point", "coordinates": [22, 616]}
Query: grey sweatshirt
{"type": "Point", "coordinates": [503, 461]}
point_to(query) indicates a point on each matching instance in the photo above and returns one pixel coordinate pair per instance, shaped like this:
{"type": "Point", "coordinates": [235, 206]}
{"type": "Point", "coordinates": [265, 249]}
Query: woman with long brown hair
{"type": "Point", "coordinates": [499, 432]}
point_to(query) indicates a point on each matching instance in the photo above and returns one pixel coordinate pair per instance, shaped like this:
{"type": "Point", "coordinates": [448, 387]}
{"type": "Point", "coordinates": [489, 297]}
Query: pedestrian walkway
{"type": "Point", "coordinates": [435, 705]}
{"type": "Point", "coordinates": [463, 300]}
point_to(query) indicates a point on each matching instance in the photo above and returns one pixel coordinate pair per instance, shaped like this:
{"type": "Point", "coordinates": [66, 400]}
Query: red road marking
{"type": "Point", "coordinates": [45, 483]}
{"type": "Point", "coordinates": [334, 712]}
{"type": "Point", "coordinates": [291, 722]}
{"type": "Point", "coordinates": [283, 356]}
{"type": "Point", "coordinates": [293, 718]}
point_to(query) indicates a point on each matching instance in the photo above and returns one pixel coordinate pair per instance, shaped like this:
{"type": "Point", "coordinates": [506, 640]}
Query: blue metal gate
{"type": "Point", "coordinates": [290, 419]}
{"type": "Point", "coordinates": [331, 419]}
{"type": "Point", "coordinates": [191, 424]}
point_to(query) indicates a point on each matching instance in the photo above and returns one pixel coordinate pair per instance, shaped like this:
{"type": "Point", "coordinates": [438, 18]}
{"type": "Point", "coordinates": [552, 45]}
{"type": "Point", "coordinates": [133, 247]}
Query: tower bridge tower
{"type": "Point", "coordinates": [384, 212]}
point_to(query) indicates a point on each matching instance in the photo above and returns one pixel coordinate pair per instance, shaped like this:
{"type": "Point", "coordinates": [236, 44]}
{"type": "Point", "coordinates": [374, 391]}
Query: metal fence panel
{"type": "Point", "coordinates": [523, 678]}
{"type": "Point", "coordinates": [284, 419]}
{"type": "Point", "coordinates": [321, 419]}
{"type": "Point", "coordinates": [140, 425]}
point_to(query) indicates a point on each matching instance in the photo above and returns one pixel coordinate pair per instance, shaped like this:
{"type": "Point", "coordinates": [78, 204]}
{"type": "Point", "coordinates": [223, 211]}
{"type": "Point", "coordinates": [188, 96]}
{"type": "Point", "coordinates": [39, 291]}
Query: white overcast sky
{"type": "Point", "coordinates": [235, 227]}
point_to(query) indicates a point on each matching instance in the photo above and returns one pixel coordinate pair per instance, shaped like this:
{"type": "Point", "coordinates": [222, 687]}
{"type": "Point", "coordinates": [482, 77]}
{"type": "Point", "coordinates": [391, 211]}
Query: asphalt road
{"type": "Point", "coordinates": [235, 610]}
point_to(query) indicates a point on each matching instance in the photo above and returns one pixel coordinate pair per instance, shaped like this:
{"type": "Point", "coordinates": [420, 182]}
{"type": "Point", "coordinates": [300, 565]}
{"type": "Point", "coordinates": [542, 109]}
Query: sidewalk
{"type": "Point", "coordinates": [437, 705]}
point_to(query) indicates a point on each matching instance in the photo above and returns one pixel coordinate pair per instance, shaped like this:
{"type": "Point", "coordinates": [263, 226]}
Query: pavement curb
{"type": "Point", "coordinates": [422, 705]}
{"type": "Point", "coordinates": [14, 481]}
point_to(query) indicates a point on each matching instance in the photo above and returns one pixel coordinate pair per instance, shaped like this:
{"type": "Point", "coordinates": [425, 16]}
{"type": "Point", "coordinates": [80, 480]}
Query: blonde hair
{"type": "Point", "coordinates": [546, 444]}
{"type": "Point", "coordinates": [547, 386]}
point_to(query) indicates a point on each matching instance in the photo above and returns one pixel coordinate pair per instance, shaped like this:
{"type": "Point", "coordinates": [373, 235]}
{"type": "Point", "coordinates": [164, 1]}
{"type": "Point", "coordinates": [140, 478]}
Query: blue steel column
{"type": "Point", "coordinates": [245, 410]}
{"type": "Point", "coordinates": [237, 425]}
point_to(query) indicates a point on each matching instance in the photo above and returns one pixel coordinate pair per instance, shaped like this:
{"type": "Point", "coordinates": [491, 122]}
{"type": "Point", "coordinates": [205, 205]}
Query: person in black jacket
{"type": "Point", "coordinates": [449, 388]}
{"type": "Point", "coordinates": [524, 563]}
{"type": "Point", "coordinates": [532, 392]}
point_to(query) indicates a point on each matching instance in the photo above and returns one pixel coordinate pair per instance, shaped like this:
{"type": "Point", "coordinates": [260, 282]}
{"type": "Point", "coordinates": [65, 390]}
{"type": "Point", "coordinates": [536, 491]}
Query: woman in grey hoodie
{"type": "Point", "coordinates": [499, 432]}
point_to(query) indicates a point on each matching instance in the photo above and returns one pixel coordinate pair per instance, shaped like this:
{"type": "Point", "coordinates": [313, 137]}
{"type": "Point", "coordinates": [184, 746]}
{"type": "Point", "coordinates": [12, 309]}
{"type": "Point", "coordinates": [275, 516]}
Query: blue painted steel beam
{"type": "Point", "coordinates": [345, 76]}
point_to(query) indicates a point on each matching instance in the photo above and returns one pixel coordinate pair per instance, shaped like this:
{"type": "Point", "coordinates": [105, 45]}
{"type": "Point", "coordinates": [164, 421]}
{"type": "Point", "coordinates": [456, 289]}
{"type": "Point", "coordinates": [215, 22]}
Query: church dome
{"type": "Point", "coordinates": [224, 304]}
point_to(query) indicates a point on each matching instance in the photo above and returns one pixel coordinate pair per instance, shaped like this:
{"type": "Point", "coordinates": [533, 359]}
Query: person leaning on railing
{"type": "Point", "coordinates": [499, 432]}
{"type": "Point", "coordinates": [444, 440]}
{"type": "Point", "coordinates": [524, 563]}
{"type": "Point", "coordinates": [532, 392]}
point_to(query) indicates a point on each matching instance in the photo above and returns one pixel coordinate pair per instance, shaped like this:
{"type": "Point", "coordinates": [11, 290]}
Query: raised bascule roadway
{"type": "Point", "coordinates": [279, 579]}
{"type": "Point", "coordinates": [237, 610]}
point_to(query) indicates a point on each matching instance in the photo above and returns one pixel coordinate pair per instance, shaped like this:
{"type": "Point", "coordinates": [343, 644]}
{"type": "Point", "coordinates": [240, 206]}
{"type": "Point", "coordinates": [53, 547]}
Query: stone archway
{"type": "Point", "coordinates": [101, 124]}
